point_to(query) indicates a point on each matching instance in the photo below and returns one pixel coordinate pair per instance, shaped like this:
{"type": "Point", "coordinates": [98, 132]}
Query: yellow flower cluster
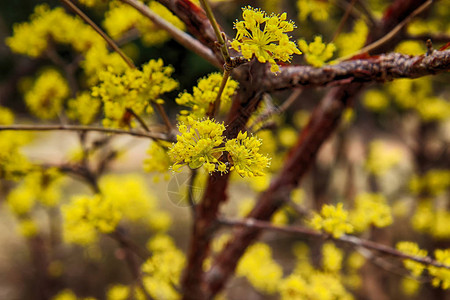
{"type": "Point", "coordinates": [123, 197]}
{"type": "Point", "coordinates": [39, 186]}
{"type": "Point", "coordinates": [376, 100]}
{"type": "Point", "coordinates": [162, 271]}
{"type": "Point", "coordinates": [120, 18]}
{"type": "Point", "coordinates": [84, 108]}
{"type": "Point", "coordinates": [13, 164]}
{"type": "Point", "coordinates": [332, 258]}
{"type": "Point", "coordinates": [133, 89]}
{"type": "Point", "coordinates": [158, 160]}
{"type": "Point", "coordinates": [441, 276]}
{"type": "Point", "coordinates": [204, 94]}
{"type": "Point", "coordinates": [258, 266]}
{"type": "Point", "coordinates": [382, 158]}
{"type": "Point", "coordinates": [69, 295]}
{"type": "Point", "coordinates": [264, 37]}
{"type": "Point", "coordinates": [412, 249]}
{"type": "Point", "coordinates": [370, 209]}
{"type": "Point", "coordinates": [418, 95]}
{"type": "Point", "coordinates": [316, 9]}
{"type": "Point", "coordinates": [245, 156]}
{"type": "Point", "coordinates": [349, 43]}
{"type": "Point", "coordinates": [98, 59]}
{"type": "Point", "coordinates": [201, 144]}
{"type": "Point", "coordinates": [45, 98]}
{"type": "Point", "coordinates": [433, 220]}
{"type": "Point", "coordinates": [332, 219]}
{"type": "Point", "coordinates": [434, 182]}
{"type": "Point", "coordinates": [317, 52]}
{"type": "Point", "coordinates": [306, 282]}
{"type": "Point", "coordinates": [55, 25]}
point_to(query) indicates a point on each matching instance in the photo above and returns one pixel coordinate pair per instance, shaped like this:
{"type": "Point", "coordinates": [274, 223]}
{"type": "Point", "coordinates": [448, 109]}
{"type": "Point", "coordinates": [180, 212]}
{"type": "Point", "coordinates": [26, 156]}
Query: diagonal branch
{"type": "Point", "coordinates": [377, 68]}
{"type": "Point", "coordinates": [152, 135]}
{"type": "Point", "coordinates": [347, 239]}
{"type": "Point", "coordinates": [181, 37]}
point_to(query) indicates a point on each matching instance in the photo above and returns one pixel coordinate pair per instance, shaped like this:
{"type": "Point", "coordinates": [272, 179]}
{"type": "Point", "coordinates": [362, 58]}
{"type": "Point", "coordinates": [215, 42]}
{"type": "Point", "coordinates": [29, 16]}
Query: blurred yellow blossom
{"type": "Point", "coordinates": [441, 276]}
{"type": "Point", "coordinates": [412, 249]}
{"type": "Point", "coordinates": [332, 219]}
{"type": "Point", "coordinates": [45, 98]}
{"type": "Point", "coordinates": [376, 100]}
{"type": "Point", "coordinates": [370, 209]}
{"type": "Point", "coordinates": [258, 266]}
{"type": "Point", "coordinates": [83, 108]}
{"type": "Point", "coordinates": [317, 53]}
{"type": "Point", "coordinates": [382, 157]}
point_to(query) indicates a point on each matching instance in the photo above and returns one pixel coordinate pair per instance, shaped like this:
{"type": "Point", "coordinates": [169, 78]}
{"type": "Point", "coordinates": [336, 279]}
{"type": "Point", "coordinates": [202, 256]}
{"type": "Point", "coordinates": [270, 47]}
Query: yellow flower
{"type": "Point", "coordinates": [205, 93]}
{"type": "Point", "coordinates": [199, 145]}
{"type": "Point", "coordinates": [376, 101]}
{"type": "Point", "coordinates": [317, 52]}
{"type": "Point", "coordinates": [370, 209]}
{"type": "Point", "coordinates": [45, 98]}
{"type": "Point", "coordinates": [350, 42]}
{"type": "Point", "coordinates": [413, 249]}
{"type": "Point", "coordinates": [317, 9]}
{"type": "Point", "coordinates": [83, 108]}
{"type": "Point", "coordinates": [55, 25]}
{"type": "Point", "coordinates": [258, 266]}
{"type": "Point", "coordinates": [332, 219]}
{"type": "Point", "coordinates": [119, 19]}
{"type": "Point", "coordinates": [381, 158]}
{"type": "Point", "coordinates": [133, 89]}
{"type": "Point", "coordinates": [245, 156]}
{"type": "Point", "coordinates": [6, 116]}
{"type": "Point", "coordinates": [332, 258]}
{"type": "Point", "coordinates": [28, 228]}
{"type": "Point", "coordinates": [264, 37]}
{"type": "Point", "coordinates": [441, 276]}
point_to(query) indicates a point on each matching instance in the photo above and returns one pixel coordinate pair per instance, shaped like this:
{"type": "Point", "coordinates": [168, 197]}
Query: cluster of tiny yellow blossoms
{"type": "Point", "coordinates": [382, 158]}
{"type": "Point", "coordinates": [264, 37]}
{"type": "Point", "coordinates": [432, 219]}
{"type": "Point", "coordinates": [376, 101]}
{"type": "Point", "coordinates": [133, 89]}
{"type": "Point", "coordinates": [204, 94]}
{"type": "Point", "coordinates": [441, 276]}
{"type": "Point", "coordinates": [434, 182]}
{"type": "Point", "coordinates": [418, 95]}
{"type": "Point", "coordinates": [199, 145]}
{"type": "Point", "coordinates": [412, 249]}
{"type": "Point", "coordinates": [202, 143]}
{"type": "Point", "coordinates": [349, 43]}
{"type": "Point", "coordinates": [13, 164]}
{"type": "Point", "coordinates": [332, 219]}
{"type": "Point", "coordinates": [317, 52]}
{"type": "Point", "coordinates": [245, 157]}
{"type": "Point", "coordinates": [69, 295]}
{"type": "Point", "coordinates": [121, 198]}
{"type": "Point", "coordinates": [158, 160]}
{"type": "Point", "coordinates": [120, 19]}
{"type": "Point", "coordinates": [370, 209]}
{"type": "Point", "coordinates": [56, 25]}
{"type": "Point", "coordinates": [162, 271]}
{"type": "Point", "coordinates": [258, 266]}
{"type": "Point", "coordinates": [83, 108]}
{"type": "Point", "coordinates": [316, 9]}
{"type": "Point", "coordinates": [45, 98]}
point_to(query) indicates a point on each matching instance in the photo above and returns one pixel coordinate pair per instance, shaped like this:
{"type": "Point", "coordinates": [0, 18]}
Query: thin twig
{"type": "Point", "coordinates": [180, 36]}
{"type": "Point", "coordinates": [139, 119]}
{"type": "Point", "coordinates": [152, 135]}
{"type": "Point", "coordinates": [214, 106]}
{"type": "Point", "coordinates": [94, 26]}
{"type": "Point", "coordinates": [343, 20]}
{"type": "Point", "coordinates": [352, 240]}
{"type": "Point", "coordinates": [391, 34]}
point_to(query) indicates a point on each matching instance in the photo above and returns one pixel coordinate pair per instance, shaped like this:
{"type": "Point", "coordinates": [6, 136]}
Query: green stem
{"type": "Point", "coordinates": [220, 36]}
{"type": "Point", "coordinates": [214, 107]}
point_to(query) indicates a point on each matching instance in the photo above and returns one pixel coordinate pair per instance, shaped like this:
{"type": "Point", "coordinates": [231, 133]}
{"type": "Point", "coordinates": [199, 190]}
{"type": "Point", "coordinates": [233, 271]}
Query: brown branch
{"type": "Point", "coordinates": [94, 26]}
{"type": "Point", "coordinates": [196, 22]}
{"type": "Point", "coordinates": [181, 37]}
{"type": "Point", "coordinates": [152, 135]}
{"type": "Point", "coordinates": [377, 68]}
{"type": "Point", "coordinates": [347, 239]}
